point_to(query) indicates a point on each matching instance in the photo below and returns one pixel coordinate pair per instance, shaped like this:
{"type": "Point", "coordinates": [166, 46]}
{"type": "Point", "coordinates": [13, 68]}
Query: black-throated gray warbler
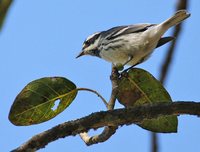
{"type": "Point", "coordinates": [131, 44]}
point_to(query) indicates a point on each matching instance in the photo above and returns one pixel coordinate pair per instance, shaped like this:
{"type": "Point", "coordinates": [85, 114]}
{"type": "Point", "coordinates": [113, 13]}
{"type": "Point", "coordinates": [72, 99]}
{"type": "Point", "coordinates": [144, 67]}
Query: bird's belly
{"type": "Point", "coordinates": [136, 50]}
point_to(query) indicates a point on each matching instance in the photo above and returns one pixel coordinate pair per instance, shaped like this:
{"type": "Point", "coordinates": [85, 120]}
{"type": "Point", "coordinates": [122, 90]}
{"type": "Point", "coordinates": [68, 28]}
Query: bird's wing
{"type": "Point", "coordinates": [123, 30]}
{"type": "Point", "coordinates": [109, 33]}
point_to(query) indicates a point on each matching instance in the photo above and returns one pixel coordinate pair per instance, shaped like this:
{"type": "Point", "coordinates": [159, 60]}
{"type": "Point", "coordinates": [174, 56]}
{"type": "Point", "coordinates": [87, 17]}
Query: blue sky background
{"type": "Point", "coordinates": [42, 38]}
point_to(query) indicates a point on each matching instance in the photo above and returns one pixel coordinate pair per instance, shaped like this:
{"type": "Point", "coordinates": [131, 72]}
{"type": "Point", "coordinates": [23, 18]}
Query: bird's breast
{"type": "Point", "coordinates": [133, 45]}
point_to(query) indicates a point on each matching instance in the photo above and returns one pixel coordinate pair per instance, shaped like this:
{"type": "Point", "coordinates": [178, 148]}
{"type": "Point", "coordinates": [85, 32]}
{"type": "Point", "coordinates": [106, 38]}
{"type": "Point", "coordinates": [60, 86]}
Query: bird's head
{"type": "Point", "coordinates": [90, 45]}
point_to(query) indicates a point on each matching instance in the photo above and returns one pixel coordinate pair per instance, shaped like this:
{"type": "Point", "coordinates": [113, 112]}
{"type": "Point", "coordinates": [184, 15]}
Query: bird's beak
{"type": "Point", "coordinates": [81, 54]}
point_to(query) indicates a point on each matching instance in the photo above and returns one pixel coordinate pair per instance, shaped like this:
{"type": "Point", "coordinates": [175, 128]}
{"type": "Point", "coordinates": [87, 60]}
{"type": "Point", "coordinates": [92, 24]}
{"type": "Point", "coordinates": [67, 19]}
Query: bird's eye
{"type": "Point", "coordinates": [87, 43]}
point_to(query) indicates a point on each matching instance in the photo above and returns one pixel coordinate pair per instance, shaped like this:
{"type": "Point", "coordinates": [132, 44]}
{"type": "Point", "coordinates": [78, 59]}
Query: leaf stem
{"type": "Point", "coordinates": [95, 92]}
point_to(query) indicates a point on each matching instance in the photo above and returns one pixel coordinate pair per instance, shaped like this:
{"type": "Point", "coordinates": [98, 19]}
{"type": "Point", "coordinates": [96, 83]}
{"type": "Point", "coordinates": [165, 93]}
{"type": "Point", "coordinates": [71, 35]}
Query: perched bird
{"type": "Point", "coordinates": [131, 44]}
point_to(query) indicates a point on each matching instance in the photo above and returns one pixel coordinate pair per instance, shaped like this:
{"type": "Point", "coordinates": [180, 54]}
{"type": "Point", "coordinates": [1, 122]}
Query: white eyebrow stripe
{"type": "Point", "coordinates": [91, 36]}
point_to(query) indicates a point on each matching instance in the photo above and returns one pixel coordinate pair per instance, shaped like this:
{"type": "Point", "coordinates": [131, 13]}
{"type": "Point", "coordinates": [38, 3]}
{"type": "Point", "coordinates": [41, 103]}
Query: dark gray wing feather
{"type": "Point", "coordinates": [137, 28]}
{"type": "Point", "coordinates": [109, 33]}
{"type": "Point", "coordinates": [115, 32]}
{"type": "Point", "coordinates": [164, 40]}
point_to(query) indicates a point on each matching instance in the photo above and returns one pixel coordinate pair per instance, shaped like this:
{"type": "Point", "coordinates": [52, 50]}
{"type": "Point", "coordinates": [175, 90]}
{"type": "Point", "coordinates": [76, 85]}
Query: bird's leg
{"type": "Point", "coordinates": [127, 69]}
{"type": "Point", "coordinates": [140, 61]}
{"type": "Point", "coordinates": [124, 71]}
{"type": "Point", "coordinates": [130, 57]}
{"type": "Point", "coordinates": [120, 66]}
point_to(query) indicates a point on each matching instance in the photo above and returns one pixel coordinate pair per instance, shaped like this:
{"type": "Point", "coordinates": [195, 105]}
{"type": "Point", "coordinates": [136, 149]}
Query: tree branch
{"type": "Point", "coordinates": [109, 118]}
{"type": "Point", "coordinates": [108, 130]}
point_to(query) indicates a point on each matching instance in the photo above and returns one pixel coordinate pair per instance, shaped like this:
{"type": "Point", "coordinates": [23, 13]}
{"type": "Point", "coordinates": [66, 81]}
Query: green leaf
{"type": "Point", "coordinates": [4, 6]}
{"type": "Point", "coordinates": [36, 102]}
{"type": "Point", "coordinates": [139, 87]}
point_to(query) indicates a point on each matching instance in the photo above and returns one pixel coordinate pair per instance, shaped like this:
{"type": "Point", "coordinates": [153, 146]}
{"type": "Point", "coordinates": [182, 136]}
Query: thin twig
{"type": "Point", "coordinates": [108, 130]}
{"type": "Point", "coordinates": [4, 7]}
{"type": "Point", "coordinates": [154, 142]}
{"type": "Point", "coordinates": [182, 4]}
{"type": "Point", "coordinates": [116, 117]}
{"type": "Point", "coordinates": [99, 95]}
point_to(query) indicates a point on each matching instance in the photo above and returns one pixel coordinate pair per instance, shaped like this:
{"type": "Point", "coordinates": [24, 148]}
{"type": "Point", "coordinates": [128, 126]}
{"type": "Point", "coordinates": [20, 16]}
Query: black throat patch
{"type": "Point", "coordinates": [95, 52]}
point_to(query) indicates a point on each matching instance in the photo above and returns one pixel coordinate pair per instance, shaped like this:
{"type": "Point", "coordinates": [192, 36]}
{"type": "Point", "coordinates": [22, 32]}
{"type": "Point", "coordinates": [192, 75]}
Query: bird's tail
{"type": "Point", "coordinates": [177, 18]}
